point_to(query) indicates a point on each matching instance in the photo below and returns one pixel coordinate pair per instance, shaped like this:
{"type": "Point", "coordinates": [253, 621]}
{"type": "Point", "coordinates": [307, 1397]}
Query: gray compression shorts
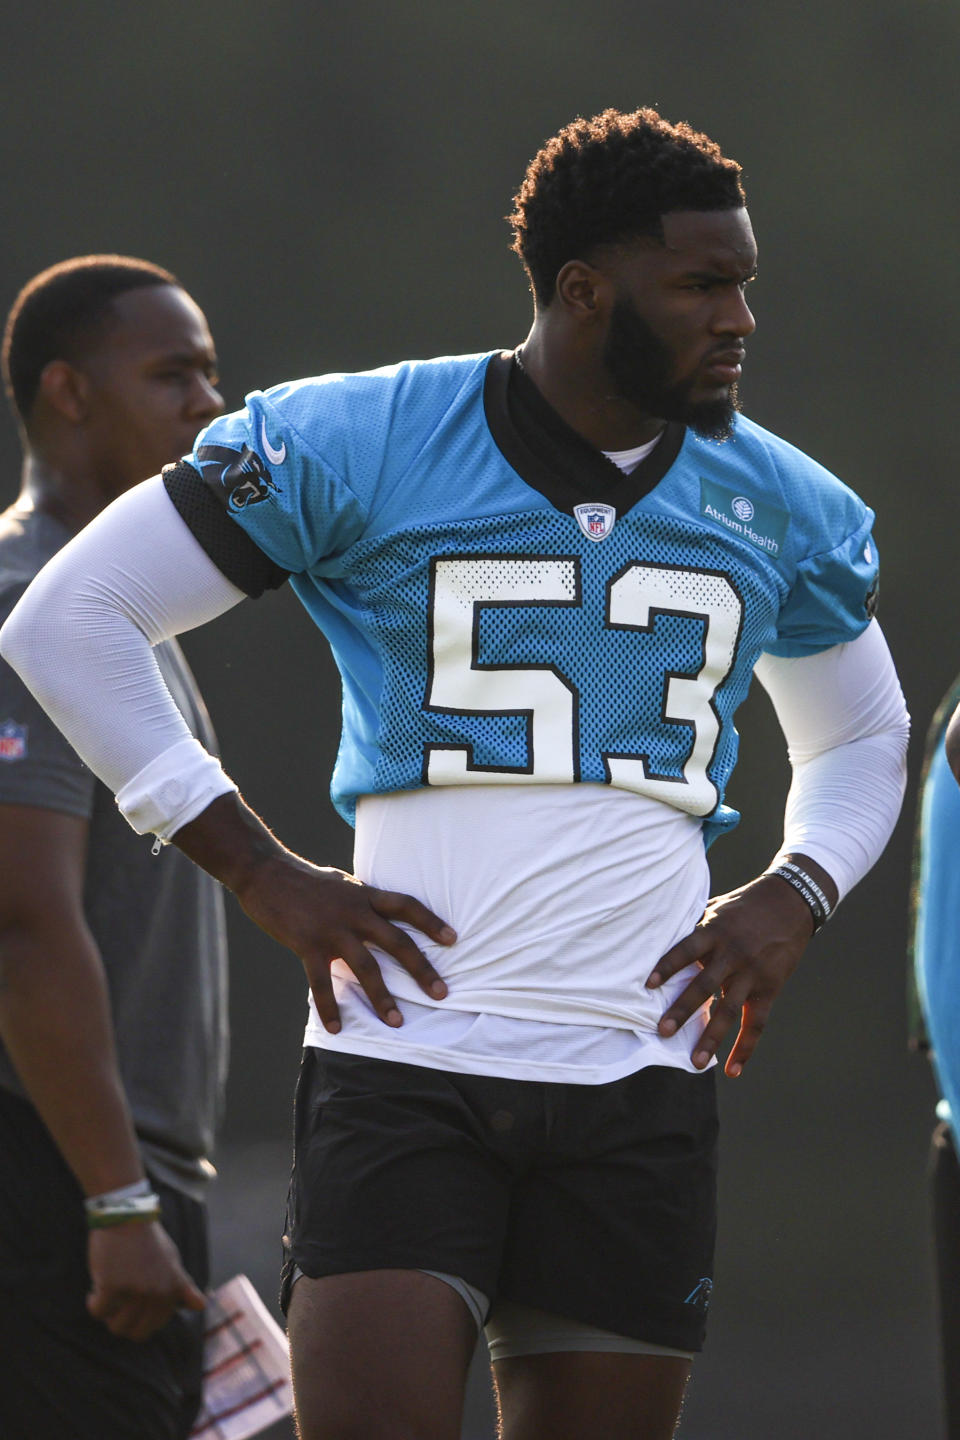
{"type": "Point", "coordinates": [513, 1329]}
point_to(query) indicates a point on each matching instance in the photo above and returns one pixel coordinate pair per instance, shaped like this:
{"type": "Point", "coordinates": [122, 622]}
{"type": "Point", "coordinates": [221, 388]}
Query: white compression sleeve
{"type": "Point", "coordinates": [81, 640]}
{"type": "Point", "coordinates": [846, 726]}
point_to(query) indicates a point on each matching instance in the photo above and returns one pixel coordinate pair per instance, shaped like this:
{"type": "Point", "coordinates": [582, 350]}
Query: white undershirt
{"type": "Point", "coordinates": [552, 958]}
{"type": "Point", "coordinates": [628, 460]}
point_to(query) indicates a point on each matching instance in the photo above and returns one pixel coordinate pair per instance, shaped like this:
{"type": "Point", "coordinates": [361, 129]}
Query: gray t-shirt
{"type": "Point", "coordinates": [157, 919]}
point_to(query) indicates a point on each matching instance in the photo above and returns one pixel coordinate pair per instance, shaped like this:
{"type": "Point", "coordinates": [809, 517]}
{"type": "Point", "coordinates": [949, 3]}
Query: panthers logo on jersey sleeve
{"type": "Point", "coordinates": [240, 476]}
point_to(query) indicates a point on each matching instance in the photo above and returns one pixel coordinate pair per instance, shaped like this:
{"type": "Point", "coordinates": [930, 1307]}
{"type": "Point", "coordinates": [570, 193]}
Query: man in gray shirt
{"type": "Point", "coordinates": [112, 958]}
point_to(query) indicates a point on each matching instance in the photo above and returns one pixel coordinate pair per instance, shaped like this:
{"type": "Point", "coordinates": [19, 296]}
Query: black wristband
{"type": "Point", "coordinates": [802, 882]}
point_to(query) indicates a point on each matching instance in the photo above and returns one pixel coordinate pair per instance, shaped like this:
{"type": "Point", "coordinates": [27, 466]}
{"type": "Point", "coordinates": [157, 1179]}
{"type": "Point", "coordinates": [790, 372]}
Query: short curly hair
{"type": "Point", "coordinates": [62, 313]}
{"type": "Point", "coordinates": [611, 179]}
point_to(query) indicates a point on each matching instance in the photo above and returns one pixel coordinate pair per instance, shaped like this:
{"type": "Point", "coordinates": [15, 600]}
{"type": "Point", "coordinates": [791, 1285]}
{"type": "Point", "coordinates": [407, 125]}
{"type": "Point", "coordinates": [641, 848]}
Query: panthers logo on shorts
{"type": "Point", "coordinates": [700, 1295]}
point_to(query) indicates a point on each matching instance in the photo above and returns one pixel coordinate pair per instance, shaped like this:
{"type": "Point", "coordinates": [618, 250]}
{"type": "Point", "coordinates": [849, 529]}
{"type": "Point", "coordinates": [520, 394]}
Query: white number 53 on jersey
{"type": "Point", "coordinates": [460, 685]}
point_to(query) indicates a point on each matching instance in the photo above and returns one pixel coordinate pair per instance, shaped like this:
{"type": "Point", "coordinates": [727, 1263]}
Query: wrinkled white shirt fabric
{"type": "Point", "coordinates": [563, 897]}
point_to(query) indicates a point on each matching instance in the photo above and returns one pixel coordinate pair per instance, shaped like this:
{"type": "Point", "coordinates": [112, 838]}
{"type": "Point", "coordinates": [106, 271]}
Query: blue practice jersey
{"type": "Point", "coordinates": [509, 612]}
{"type": "Point", "coordinates": [936, 912]}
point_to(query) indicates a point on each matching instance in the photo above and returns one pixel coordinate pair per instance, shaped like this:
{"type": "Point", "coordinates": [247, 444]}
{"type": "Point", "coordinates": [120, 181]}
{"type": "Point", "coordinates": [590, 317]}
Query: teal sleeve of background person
{"type": "Point", "coordinates": [937, 929]}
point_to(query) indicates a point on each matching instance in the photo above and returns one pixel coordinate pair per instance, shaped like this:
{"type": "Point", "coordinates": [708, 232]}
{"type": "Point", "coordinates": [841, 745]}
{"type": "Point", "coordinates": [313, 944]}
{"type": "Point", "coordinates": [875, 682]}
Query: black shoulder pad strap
{"type": "Point", "coordinates": [230, 548]}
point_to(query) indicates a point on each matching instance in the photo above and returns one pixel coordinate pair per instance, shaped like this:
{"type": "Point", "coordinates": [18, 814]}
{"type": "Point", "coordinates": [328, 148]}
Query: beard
{"type": "Point", "coordinates": [641, 364]}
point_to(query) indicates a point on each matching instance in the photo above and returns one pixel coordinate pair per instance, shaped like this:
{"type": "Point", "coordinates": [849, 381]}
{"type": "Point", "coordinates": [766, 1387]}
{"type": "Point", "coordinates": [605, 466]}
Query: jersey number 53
{"type": "Point", "coordinates": [463, 586]}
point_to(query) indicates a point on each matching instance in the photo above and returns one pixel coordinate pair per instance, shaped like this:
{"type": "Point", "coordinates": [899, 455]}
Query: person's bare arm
{"type": "Point", "coordinates": [321, 914]}
{"type": "Point", "coordinates": [748, 943]}
{"type": "Point", "coordinates": [56, 1025]}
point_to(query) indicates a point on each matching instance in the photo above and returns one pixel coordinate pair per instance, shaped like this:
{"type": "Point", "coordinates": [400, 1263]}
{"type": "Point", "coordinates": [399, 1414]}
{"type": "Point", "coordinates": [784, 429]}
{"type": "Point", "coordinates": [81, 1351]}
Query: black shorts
{"type": "Point", "coordinates": [595, 1202]}
{"type": "Point", "coordinates": [64, 1373]}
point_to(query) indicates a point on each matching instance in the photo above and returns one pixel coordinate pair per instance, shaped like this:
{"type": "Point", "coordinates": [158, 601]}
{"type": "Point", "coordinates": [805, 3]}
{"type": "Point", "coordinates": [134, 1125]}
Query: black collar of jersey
{"type": "Point", "coordinates": [551, 457]}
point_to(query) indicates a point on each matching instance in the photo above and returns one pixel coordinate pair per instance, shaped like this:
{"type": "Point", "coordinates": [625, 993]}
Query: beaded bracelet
{"type": "Point", "coordinates": [807, 887]}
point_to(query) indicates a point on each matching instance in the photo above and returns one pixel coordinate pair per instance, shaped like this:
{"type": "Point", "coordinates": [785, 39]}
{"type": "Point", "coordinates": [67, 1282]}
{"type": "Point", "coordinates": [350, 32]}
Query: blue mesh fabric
{"type": "Point", "coordinates": [617, 675]}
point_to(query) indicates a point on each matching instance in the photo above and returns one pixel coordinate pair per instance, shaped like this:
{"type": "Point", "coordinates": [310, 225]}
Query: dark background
{"type": "Point", "coordinates": [330, 183]}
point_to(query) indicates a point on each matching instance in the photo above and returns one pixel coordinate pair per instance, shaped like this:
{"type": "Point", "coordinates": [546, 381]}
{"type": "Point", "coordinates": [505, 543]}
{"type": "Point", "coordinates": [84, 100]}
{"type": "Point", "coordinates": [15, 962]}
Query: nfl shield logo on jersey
{"type": "Point", "coordinates": [596, 521]}
{"type": "Point", "coordinates": [13, 740]}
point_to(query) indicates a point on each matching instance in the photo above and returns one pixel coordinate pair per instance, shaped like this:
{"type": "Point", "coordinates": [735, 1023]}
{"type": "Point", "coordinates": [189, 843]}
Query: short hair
{"type": "Point", "coordinates": [609, 180]}
{"type": "Point", "coordinates": [62, 313]}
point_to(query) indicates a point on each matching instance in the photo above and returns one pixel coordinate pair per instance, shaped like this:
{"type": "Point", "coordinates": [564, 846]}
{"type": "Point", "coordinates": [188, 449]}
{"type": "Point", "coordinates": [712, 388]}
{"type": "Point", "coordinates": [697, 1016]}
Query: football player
{"type": "Point", "coordinates": [548, 575]}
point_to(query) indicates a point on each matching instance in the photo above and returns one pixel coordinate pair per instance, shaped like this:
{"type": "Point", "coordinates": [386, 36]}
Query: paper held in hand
{"type": "Point", "coordinates": [246, 1366]}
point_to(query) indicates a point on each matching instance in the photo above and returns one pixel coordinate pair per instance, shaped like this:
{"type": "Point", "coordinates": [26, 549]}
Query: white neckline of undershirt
{"type": "Point", "coordinates": [627, 460]}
